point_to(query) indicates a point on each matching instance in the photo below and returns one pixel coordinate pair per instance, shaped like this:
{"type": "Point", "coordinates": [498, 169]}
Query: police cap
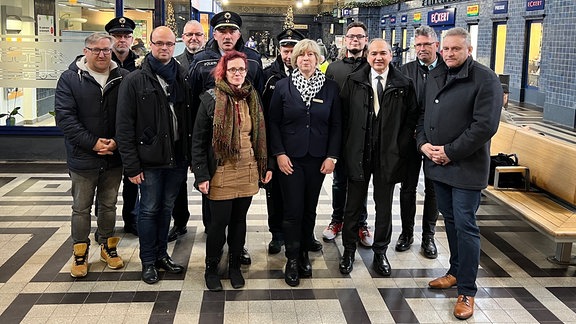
{"type": "Point", "coordinates": [226, 19]}
{"type": "Point", "coordinates": [120, 25]}
{"type": "Point", "coordinates": [289, 37]}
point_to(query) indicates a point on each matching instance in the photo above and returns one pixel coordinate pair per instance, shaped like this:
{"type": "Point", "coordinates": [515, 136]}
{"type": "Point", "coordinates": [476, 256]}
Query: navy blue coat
{"type": "Point", "coordinates": [297, 130]}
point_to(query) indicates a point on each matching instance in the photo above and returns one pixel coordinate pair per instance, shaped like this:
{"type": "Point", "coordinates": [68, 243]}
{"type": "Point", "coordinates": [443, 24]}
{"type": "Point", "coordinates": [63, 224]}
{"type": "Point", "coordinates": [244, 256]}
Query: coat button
{"type": "Point", "coordinates": [436, 101]}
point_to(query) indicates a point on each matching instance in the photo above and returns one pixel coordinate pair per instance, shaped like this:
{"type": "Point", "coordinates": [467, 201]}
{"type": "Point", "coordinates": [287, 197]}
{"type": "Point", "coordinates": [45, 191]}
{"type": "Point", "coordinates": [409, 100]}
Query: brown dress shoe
{"type": "Point", "coordinates": [444, 282]}
{"type": "Point", "coordinates": [464, 307]}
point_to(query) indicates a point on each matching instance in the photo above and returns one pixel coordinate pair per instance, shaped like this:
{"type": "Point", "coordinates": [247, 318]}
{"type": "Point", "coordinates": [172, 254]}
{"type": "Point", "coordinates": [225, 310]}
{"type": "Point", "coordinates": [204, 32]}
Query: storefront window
{"type": "Point", "coordinates": [473, 30]}
{"type": "Point", "coordinates": [534, 51]}
{"type": "Point", "coordinates": [499, 47]}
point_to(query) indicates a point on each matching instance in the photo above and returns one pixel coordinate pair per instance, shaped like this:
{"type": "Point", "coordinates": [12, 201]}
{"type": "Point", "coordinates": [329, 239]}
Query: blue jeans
{"type": "Point", "coordinates": [459, 206]}
{"type": "Point", "coordinates": [158, 192]}
{"type": "Point", "coordinates": [103, 183]}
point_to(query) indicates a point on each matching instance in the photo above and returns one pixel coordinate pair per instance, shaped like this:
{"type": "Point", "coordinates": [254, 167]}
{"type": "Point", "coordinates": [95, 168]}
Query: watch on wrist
{"type": "Point", "coordinates": [333, 160]}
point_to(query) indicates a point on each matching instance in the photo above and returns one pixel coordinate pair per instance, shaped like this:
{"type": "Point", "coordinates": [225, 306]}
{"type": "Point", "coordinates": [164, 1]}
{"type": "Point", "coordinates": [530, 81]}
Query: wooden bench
{"type": "Point", "coordinates": [549, 206]}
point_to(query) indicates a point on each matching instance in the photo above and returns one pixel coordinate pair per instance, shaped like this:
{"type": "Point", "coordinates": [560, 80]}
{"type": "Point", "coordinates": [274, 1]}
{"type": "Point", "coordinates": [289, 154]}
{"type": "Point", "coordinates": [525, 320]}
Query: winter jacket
{"type": "Point", "coordinates": [397, 120]}
{"type": "Point", "coordinates": [86, 112]}
{"type": "Point", "coordinates": [341, 69]}
{"type": "Point", "coordinates": [144, 123]}
{"type": "Point", "coordinates": [129, 63]}
{"type": "Point", "coordinates": [419, 74]}
{"type": "Point", "coordinates": [461, 114]}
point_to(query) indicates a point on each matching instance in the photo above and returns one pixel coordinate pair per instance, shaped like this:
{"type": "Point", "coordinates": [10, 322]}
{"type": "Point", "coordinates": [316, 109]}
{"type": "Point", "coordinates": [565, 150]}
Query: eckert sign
{"type": "Point", "coordinates": [534, 5]}
{"type": "Point", "coordinates": [442, 17]}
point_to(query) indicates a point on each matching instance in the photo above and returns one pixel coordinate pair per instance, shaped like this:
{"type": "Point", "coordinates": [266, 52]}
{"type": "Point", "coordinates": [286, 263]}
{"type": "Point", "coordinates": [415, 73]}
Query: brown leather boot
{"type": "Point", "coordinates": [464, 307]}
{"type": "Point", "coordinates": [109, 254]}
{"type": "Point", "coordinates": [80, 263]}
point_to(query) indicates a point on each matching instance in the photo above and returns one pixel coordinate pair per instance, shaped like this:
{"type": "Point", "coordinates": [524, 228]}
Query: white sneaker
{"type": "Point", "coordinates": [365, 237]}
{"type": "Point", "coordinates": [332, 230]}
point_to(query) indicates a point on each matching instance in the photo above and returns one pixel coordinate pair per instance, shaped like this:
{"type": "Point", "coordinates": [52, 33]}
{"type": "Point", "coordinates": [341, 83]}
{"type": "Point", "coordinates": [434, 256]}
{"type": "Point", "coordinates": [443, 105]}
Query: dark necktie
{"type": "Point", "coordinates": [380, 92]}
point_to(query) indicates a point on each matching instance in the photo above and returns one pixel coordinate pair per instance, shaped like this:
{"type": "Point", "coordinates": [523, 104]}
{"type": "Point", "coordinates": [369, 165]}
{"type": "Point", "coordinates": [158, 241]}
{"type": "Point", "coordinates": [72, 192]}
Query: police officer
{"type": "Point", "coordinates": [122, 28]}
{"type": "Point", "coordinates": [227, 37]}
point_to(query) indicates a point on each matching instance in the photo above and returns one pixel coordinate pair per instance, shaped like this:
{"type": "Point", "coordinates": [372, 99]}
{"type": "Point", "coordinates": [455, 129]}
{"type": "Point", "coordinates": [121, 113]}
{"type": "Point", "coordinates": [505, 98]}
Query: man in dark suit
{"type": "Point", "coordinates": [380, 111]}
{"type": "Point", "coordinates": [193, 38]}
{"type": "Point", "coordinates": [461, 113]}
{"type": "Point", "coordinates": [426, 44]}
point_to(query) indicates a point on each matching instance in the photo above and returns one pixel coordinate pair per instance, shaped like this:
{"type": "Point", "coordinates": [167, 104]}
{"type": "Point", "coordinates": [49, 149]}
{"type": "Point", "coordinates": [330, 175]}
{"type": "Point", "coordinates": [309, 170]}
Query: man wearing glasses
{"type": "Point", "coordinates": [426, 45]}
{"type": "Point", "coordinates": [153, 131]}
{"type": "Point", "coordinates": [85, 105]}
{"type": "Point", "coordinates": [227, 37]}
{"type": "Point", "coordinates": [194, 38]}
{"type": "Point", "coordinates": [121, 28]}
{"type": "Point", "coordinates": [356, 39]}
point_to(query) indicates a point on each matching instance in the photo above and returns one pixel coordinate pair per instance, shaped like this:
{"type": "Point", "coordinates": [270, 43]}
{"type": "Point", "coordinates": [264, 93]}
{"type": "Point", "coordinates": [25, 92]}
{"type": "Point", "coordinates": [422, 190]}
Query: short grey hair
{"type": "Point", "coordinates": [426, 31]}
{"type": "Point", "coordinates": [192, 22]}
{"type": "Point", "coordinates": [461, 32]}
{"type": "Point", "coordinates": [302, 47]}
{"type": "Point", "coordinates": [94, 38]}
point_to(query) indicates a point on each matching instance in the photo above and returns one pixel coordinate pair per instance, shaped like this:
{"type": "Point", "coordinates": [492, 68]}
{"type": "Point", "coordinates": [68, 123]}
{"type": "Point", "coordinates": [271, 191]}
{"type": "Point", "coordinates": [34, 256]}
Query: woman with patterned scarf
{"type": "Point", "coordinates": [229, 157]}
{"type": "Point", "coordinates": [305, 138]}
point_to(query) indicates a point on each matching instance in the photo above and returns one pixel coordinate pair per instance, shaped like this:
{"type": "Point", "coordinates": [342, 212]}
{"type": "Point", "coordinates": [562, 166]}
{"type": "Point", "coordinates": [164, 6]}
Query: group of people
{"type": "Point", "coordinates": [238, 126]}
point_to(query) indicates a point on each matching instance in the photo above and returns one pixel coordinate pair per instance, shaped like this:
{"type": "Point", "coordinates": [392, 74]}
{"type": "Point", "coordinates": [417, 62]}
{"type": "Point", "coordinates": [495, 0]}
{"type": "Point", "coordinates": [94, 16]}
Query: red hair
{"type": "Point", "coordinates": [219, 71]}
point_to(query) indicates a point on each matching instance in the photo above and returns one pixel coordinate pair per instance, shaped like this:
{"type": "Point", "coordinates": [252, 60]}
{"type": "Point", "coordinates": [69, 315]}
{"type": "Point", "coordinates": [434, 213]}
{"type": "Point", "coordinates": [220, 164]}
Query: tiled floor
{"type": "Point", "coordinates": [516, 283]}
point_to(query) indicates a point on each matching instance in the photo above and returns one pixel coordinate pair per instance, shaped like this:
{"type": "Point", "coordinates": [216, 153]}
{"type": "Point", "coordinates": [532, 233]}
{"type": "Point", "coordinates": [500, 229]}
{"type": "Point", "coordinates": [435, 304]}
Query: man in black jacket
{"type": "Point", "coordinates": [356, 39]}
{"type": "Point", "coordinates": [121, 28]}
{"type": "Point", "coordinates": [153, 135]}
{"type": "Point", "coordinates": [379, 110]}
{"type": "Point", "coordinates": [85, 106]}
{"type": "Point", "coordinates": [426, 44]}
{"type": "Point", "coordinates": [227, 37]}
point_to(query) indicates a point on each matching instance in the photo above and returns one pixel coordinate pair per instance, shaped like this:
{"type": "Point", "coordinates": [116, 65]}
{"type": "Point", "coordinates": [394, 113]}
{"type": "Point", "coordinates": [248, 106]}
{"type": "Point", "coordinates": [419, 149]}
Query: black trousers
{"type": "Point", "coordinates": [130, 197]}
{"type": "Point", "coordinates": [408, 199]}
{"type": "Point", "coordinates": [229, 214]}
{"type": "Point", "coordinates": [300, 193]}
{"type": "Point", "coordinates": [206, 214]}
{"type": "Point", "coordinates": [339, 190]}
{"type": "Point", "coordinates": [274, 206]}
{"type": "Point", "coordinates": [357, 194]}
{"type": "Point", "coordinates": [180, 213]}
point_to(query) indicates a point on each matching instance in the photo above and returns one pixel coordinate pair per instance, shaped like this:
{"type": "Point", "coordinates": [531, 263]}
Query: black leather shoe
{"type": "Point", "coordinates": [347, 262]}
{"type": "Point", "coordinates": [315, 246]}
{"type": "Point", "coordinates": [404, 242]}
{"type": "Point", "coordinates": [245, 257]}
{"type": "Point", "coordinates": [429, 247]}
{"type": "Point", "coordinates": [149, 274]}
{"type": "Point", "coordinates": [291, 276]}
{"type": "Point", "coordinates": [175, 232]}
{"type": "Point", "coordinates": [168, 264]}
{"type": "Point", "coordinates": [274, 247]}
{"type": "Point", "coordinates": [304, 266]}
{"type": "Point", "coordinates": [381, 264]}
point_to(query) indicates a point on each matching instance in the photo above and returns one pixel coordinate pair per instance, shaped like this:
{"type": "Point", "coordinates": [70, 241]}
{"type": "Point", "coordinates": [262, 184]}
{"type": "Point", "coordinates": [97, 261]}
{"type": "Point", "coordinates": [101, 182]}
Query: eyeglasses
{"type": "Point", "coordinates": [359, 37]}
{"type": "Point", "coordinates": [423, 45]}
{"type": "Point", "coordinates": [162, 44]}
{"type": "Point", "coordinates": [96, 51]}
{"type": "Point", "coordinates": [236, 70]}
{"type": "Point", "coordinates": [120, 36]}
{"type": "Point", "coordinates": [193, 34]}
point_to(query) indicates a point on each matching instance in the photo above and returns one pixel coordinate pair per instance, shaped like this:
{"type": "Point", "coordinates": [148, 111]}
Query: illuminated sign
{"type": "Point", "coordinates": [472, 11]}
{"type": "Point", "coordinates": [418, 17]}
{"type": "Point", "coordinates": [534, 5]}
{"type": "Point", "coordinates": [442, 17]}
{"type": "Point", "coordinates": [500, 7]}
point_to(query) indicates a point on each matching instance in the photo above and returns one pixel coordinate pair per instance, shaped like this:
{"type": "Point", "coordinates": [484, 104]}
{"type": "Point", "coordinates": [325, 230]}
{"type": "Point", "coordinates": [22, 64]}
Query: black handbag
{"type": "Point", "coordinates": [507, 180]}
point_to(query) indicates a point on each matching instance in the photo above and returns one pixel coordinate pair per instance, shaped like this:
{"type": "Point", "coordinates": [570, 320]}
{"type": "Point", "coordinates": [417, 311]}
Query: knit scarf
{"type": "Point", "coordinates": [308, 88]}
{"type": "Point", "coordinates": [226, 134]}
{"type": "Point", "coordinates": [168, 72]}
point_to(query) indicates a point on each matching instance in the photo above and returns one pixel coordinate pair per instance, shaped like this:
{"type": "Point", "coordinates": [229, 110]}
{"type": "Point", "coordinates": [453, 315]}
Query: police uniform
{"type": "Point", "coordinates": [123, 25]}
{"type": "Point", "coordinates": [201, 79]}
{"type": "Point", "coordinates": [272, 74]}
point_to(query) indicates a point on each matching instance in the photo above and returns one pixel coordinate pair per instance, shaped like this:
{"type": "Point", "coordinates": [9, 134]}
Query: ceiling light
{"type": "Point", "coordinates": [306, 2]}
{"type": "Point", "coordinates": [298, 4]}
